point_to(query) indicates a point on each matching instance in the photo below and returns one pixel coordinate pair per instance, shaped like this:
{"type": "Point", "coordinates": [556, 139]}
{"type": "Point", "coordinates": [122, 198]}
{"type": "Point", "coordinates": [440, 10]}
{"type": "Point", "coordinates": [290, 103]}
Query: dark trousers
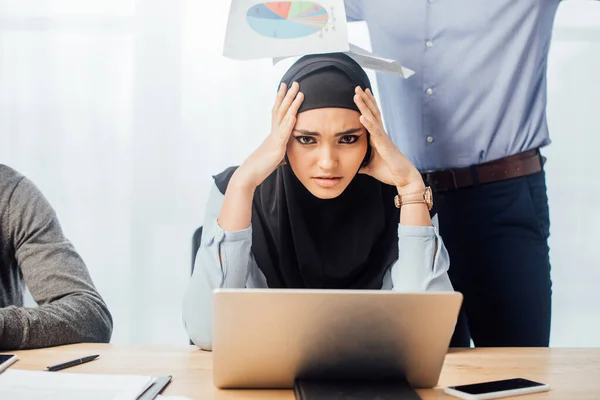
{"type": "Point", "coordinates": [497, 238]}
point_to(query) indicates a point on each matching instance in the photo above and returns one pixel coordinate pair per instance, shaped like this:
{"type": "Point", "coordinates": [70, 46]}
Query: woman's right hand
{"type": "Point", "coordinates": [271, 153]}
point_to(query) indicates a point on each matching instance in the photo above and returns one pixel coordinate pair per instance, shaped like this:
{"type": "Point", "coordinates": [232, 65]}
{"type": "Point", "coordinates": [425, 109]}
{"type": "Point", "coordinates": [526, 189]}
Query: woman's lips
{"type": "Point", "coordinates": [327, 182]}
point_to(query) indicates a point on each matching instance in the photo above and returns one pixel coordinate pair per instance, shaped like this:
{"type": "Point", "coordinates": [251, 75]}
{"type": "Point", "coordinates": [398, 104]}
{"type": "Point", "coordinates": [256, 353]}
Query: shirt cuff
{"type": "Point", "coordinates": [220, 235]}
{"type": "Point", "coordinates": [417, 231]}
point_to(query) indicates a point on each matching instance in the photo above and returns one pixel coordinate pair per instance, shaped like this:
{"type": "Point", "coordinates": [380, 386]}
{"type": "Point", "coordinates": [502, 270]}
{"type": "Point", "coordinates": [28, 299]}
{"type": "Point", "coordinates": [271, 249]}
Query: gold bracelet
{"type": "Point", "coordinates": [425, 197]}
{"type": "Point", "coordinates": [414, 202]}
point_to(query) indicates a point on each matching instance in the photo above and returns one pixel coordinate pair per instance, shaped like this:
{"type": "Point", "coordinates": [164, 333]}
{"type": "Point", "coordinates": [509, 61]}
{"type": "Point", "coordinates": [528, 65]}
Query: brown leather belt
{"type": "Point", "coordinates": [510, 167]}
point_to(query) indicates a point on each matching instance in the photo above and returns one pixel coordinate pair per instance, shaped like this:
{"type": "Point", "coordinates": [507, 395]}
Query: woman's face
{"type": "Point", "coordinates": [327, 148]}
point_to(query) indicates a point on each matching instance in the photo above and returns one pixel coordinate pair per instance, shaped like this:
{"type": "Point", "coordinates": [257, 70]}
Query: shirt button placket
{"type": "Point", "coordinates": [428, 89]}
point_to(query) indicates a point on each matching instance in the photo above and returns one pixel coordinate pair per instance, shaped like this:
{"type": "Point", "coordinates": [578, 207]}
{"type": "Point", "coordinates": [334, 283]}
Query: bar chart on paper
{"type": "Point", "coordinates": [287, 19]}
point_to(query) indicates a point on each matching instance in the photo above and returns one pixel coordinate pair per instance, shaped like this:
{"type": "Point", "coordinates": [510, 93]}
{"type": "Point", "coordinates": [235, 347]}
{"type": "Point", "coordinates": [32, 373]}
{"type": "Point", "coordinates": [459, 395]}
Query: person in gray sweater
{"type": "Point", "coordinates": [35, 252]}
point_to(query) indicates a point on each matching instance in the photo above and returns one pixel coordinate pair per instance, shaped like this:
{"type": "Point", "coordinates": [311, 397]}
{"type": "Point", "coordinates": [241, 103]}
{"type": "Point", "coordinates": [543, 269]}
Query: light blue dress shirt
{"type": "Point", "coordinates": [479, 92]}
{"type": "Point", "coordinates": [225, 260]}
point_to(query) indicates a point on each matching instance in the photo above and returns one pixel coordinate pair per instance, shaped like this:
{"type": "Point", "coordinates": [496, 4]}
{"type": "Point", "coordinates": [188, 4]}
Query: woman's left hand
{"type": "Point", "coordinates": [387, 163]}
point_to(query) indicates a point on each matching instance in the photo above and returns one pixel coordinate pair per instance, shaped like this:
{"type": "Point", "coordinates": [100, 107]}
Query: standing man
{"type": "Point", "coordinates": [473, 120]}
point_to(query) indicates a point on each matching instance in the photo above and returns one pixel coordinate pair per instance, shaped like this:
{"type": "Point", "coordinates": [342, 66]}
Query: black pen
{"type": "Point", "coordinates": [68, 364]}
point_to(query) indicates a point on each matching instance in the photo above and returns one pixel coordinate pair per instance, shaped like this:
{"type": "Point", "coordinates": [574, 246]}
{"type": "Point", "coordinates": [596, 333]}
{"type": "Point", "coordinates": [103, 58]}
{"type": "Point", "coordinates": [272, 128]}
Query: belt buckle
{"type": "Point", "coordinates": [426, 175]}
{"type": "Point", "coordinates": [428, 179]}
{"type": "Point", "coordinates": [453, 175]}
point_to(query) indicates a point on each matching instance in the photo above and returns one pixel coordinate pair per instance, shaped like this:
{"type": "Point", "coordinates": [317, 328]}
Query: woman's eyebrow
{"type": "Point", "coordinates": [313, 133]}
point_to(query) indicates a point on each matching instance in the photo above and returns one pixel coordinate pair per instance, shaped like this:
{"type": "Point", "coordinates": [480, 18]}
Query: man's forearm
{"type": "Point", "coordinates": [73, 319]}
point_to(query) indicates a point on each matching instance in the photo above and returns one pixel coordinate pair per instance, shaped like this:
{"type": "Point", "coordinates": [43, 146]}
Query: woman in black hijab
{"type": "Point", "coordinates": [318, 204]}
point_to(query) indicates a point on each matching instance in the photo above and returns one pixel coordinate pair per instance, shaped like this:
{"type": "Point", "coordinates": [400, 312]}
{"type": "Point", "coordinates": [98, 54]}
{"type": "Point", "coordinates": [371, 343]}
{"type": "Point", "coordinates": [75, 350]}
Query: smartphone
{"type": "Point", "coordinates": [496, 389]}
{"type": "Point", "coordinates": [6, 360]}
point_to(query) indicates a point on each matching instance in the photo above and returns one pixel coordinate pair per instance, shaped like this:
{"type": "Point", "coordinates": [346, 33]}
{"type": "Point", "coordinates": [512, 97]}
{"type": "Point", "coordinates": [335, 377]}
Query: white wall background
{"type": "Point", "coordinates": [120, 111]}
{"type": "Point", "coordinates": [573, 188]}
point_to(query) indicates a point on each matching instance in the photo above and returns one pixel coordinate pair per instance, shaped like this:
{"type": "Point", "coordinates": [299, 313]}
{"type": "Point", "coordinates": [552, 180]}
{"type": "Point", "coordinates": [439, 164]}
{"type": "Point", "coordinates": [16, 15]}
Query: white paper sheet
{"type": "Point", "coordinates": [265, 29]}
{"type": "Point", "coordinates": [34, 385]}
{"type": "Point", "coordinates": [366, 59]}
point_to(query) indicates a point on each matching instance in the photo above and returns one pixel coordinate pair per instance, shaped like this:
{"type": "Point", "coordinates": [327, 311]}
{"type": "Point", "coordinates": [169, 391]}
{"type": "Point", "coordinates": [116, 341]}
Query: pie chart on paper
{"type": "Point", "coordinates": [287, 19]}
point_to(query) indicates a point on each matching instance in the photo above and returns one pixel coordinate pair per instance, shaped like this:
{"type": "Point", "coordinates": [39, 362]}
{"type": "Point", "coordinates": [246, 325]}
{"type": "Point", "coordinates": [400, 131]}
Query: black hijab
{"type": "Point", "coordinates": [301, 241]}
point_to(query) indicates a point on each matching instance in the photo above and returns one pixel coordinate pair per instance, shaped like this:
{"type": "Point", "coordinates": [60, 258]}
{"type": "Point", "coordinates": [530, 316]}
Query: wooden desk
{"type": "Point", "coordinates": [573, 374]}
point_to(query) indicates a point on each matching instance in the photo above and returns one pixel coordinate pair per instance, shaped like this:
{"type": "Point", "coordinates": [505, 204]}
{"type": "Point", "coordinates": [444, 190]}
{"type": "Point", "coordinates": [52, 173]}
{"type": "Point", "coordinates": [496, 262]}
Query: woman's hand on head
{"type": "Point", "coordinates": [387, 163]}
{"type": "Point", "coordinates": [271, 153]}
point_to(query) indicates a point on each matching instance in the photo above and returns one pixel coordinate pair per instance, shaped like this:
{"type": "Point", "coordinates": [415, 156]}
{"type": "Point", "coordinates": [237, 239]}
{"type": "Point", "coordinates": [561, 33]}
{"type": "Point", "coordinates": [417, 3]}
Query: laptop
{"type": "Point", "coordinates": [268, 338]}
